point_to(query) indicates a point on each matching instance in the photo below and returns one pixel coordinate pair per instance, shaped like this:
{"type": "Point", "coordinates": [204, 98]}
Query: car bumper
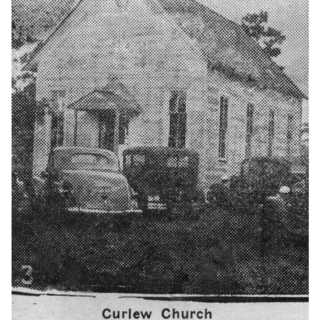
{"type": "Point", "coordinates": [156, 206]}
{"type": "Point", "coordinates": [105, 212]}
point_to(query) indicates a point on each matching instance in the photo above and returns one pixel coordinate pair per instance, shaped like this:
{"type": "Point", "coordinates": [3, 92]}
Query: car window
{"type": "Point", "coordinates": [90, 162]}
{"type": "Point", "coordinates": [177, 162]}
{"type": "Point", "coordinates": [84, 159]}
{"type": "Point", "coordinates": [183, 162]}
{"type": "Point", "coordinates": [270, 169]}
{"type": "Point", "coordinates": [138, 159]}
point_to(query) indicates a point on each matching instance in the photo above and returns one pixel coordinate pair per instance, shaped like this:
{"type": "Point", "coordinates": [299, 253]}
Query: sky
{"type": "Point", "coordinates": [290, 17]}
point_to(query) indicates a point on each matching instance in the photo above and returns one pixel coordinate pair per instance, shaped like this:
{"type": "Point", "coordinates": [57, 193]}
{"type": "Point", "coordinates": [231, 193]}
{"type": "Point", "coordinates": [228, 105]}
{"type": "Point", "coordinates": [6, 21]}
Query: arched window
{"type": "Point", "coordinates": [178, 120]}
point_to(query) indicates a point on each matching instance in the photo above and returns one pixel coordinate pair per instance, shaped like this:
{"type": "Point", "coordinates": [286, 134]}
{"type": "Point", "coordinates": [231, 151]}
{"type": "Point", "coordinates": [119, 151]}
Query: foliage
{"type": "Point", "coordinates": [23, 118]}
{"type": "Point", "coordinates": [32, 19]}
{"type": "Point", "coordinates": [217, 254]}
{"type": "Point", "coordinates": [255, 25]}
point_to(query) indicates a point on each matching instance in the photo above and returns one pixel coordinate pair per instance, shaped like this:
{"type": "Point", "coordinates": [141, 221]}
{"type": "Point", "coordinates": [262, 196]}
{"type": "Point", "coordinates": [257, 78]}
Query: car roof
{"type": "Point", "coordinates": [268, 159]}
{"type": "Point", "coordinates": [85, 150]}
{"type": "Point", "coordinates": [161, 150]}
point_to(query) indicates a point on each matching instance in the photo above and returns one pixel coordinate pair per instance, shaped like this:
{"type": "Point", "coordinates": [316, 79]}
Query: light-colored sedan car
{"type": "Point", "coordinates": [89, 181]}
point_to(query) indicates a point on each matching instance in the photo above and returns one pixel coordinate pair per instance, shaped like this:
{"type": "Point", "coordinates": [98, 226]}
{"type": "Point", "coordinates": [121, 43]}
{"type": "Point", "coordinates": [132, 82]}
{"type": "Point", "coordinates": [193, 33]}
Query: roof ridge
{"type": "Point", "coordinates": [254, 43]}
{"type": "Point", "coordinates": [62, 22]}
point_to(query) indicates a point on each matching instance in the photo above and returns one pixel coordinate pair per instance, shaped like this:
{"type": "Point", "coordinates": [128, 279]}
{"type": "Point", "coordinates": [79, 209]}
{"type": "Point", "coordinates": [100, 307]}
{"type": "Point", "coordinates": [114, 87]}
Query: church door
{"type": "Point", "coordinates": [107, 130]}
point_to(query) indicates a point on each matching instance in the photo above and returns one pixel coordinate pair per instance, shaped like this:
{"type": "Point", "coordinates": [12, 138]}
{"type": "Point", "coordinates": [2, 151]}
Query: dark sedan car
{"type": "Point", "coordinates": [165, 180]}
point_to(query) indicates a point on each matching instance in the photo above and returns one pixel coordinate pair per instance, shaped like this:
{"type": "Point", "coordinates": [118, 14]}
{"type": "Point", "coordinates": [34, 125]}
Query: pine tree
{"type": "Point", "coordinates": [255, 25]}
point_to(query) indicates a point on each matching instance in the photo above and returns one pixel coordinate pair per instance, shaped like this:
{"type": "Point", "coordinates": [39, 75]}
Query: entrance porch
{"type": "Point", "coordinates": [101, 119]}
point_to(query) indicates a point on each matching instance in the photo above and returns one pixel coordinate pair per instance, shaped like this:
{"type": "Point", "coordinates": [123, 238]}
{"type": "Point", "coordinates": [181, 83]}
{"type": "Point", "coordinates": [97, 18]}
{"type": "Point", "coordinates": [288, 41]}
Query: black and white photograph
{"type": "Point", "coordinates": [160, 159]}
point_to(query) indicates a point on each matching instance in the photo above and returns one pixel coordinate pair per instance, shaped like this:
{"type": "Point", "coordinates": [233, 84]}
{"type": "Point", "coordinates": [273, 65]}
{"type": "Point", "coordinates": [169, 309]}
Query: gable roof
{"type": "Point", "coordinates": [223, 42]}
{"type": "Point", "coordinates": [234, 52]}
{"type": "Point", "coordinates": [114, 96]}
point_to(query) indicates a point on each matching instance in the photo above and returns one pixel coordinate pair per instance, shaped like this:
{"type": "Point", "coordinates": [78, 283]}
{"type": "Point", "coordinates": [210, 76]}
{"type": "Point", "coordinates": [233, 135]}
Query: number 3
{"type": "Point", "coordinates": [28, 279]}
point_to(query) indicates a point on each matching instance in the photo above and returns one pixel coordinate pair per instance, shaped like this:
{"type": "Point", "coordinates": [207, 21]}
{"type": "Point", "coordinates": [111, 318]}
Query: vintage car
{"type": "Point", "coordinates": [86, 181]}
{"type": "Point", "coordinates": [164, 179]}
{"type": "Point", "coordinates": [259, 178]}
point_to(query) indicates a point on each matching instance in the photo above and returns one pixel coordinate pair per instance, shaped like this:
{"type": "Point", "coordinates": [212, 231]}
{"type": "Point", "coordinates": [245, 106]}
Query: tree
{"type": "Point", "coordinates": [23, 118]}
{"type": "Point", "coordinates": [32, 19]}
{"type": "Point", "coordinates": [255, 25]}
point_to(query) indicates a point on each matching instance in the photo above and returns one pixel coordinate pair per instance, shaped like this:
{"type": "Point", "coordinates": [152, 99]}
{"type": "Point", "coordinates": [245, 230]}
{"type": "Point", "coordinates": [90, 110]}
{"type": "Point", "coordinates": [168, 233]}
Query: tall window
{"type": "Point", "coordinates": [223, 127]}
{"type": "Point", "coordinates": [289, 133]}
{"type": "Point", "coordinates": [249, 133]}
{"type": "Point", "coordinates": [270, 133]}
{"type": "Point", "coordinates": [57, 123]}
{"type": "Point", "coordinates": [178, 120]}
{"type": "Point", "coordinates": [106, 129]}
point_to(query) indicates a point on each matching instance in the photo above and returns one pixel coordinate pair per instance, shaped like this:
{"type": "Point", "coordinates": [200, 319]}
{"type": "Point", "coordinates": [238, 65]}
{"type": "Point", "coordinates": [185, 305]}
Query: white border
{"type": "Point", "coordinates": [314, 108]}
{"type": "Point", "coordinates": [5, 147]}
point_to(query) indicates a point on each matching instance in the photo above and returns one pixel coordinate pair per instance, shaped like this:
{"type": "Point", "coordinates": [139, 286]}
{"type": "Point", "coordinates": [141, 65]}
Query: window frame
{"type": "Point", "coordinates": [223, 128]}
{"type": "Point", "coordinates": [290, 132]}
{"type": "Point", "coordinates": [271, 132]}
{"type": "Point", "coordinates": [57, 131]}
{"type": "Point", "coordinates": [177, 119]}
{"type": "Point", "coordinates": [135, 163]}
{"type": "Point", "coordinates": [178, 162]}
{"type": "Point", "coordinates": [249, 128]}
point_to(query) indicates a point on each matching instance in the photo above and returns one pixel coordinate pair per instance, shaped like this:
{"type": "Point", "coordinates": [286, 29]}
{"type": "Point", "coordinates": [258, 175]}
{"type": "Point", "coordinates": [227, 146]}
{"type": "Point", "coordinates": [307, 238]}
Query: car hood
{"type": "Point", "coordinates": [99, 190]}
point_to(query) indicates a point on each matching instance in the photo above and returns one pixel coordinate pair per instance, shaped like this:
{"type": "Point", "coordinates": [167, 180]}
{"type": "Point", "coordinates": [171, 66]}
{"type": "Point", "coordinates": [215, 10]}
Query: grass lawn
{"type": "Point", "coordinates": [220, 253]}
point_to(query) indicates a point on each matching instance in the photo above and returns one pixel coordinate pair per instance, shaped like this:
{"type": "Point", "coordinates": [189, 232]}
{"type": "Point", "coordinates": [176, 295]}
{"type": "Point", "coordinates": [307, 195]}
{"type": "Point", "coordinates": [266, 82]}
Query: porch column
{"type": "Point", "coordinates": [116, 132]}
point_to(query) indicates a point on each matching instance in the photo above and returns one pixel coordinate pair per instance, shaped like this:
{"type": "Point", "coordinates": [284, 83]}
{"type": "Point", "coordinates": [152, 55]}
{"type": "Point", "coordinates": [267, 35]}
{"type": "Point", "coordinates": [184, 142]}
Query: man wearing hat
{"type": "Point", "coordinates": [281, 200]}
{"type": "Point", "coordinates": [275, 213]}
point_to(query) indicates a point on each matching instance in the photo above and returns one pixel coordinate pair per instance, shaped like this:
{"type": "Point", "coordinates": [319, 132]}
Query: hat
{"type": "Point", "coordinates": [284, 190]}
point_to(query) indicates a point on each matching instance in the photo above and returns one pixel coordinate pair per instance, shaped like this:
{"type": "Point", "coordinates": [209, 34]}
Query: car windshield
{"type": "Point", "coordinates": [88, 161]}
{"type": "Point", "coordinates": [178, 162]}
{"type": "Point", "coordinates": [139, 160]}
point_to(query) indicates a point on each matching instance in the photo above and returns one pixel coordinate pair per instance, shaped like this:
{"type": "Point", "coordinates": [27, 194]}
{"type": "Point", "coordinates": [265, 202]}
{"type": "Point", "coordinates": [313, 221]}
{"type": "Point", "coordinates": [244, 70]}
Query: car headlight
{"type": "Point", "coordinates": [154, 198]}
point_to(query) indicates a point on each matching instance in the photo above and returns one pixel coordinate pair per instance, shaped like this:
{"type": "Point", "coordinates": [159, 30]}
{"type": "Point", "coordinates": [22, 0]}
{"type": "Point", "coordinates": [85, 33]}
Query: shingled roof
{"type": "Point", "coordinates": [229, 49]}
{"type": "Point", "coordinates": [224, 43]}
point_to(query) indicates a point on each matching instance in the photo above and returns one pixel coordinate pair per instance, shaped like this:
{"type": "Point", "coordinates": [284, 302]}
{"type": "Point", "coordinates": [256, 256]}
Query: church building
{"type": "Point", "coordinates": [117, 74]}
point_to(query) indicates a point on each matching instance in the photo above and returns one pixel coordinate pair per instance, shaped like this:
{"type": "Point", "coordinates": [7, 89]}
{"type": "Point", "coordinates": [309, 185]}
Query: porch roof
{"type": "Point", "coordinates": [106, 99]}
